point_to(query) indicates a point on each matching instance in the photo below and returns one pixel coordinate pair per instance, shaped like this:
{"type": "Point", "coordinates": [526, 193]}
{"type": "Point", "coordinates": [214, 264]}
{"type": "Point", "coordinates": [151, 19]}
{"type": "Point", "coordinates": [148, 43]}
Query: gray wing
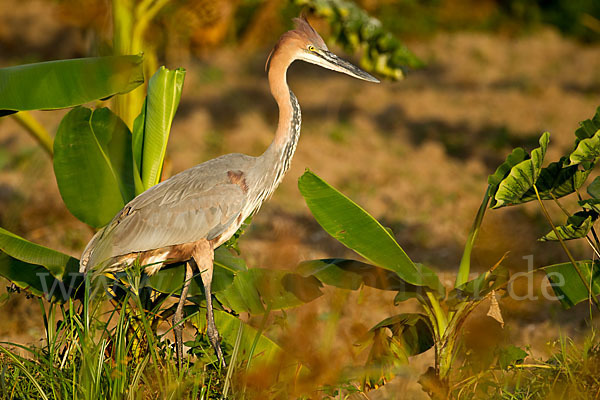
{"type": "Point", "coordinates": [201, 202]}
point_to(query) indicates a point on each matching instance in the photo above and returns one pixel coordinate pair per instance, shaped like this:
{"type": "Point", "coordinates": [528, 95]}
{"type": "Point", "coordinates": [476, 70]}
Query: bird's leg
{"type": "Point", "coordinates": [177, 325]}
{"type": "Point", "coordinates": [204, 255]}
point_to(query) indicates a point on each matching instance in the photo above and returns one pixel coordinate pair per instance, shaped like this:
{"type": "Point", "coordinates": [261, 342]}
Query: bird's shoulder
{"type": "Point", "coordinates": [198, 202]}
{"type": "Point", "coordinates": [225, 174]}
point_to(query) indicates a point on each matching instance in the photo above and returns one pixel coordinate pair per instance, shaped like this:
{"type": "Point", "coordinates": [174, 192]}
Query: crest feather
{"type": "Point", "coordinates": [302, 30]}
{"type": "Point", "coordinates": [303, 27]}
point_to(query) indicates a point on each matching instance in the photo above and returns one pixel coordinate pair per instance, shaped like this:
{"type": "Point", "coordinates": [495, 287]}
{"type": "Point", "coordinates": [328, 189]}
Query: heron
{"type": "Point", "coordinates": [186, 217]}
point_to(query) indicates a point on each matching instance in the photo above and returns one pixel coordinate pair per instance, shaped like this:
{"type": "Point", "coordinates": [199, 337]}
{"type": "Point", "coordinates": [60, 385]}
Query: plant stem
{"type": "Point", "coordinates": [564, 246]}
{"type": "Point", "coordinates": [440, 316]}
{"type": "Point", "coordinates": [448, 340]}
{"type": "Point", "coordinates": [259, 332]}
{"type": "Point", "coordinates": [144, 15]}
{"type": "Point", "coordinates": [36, 130]}
{"type": "Point", "coordinates": [465, 263]}
{"type": "Point", "coordinates": [122, 13]}
{"type": "Point", "coordinates": [236, 349]}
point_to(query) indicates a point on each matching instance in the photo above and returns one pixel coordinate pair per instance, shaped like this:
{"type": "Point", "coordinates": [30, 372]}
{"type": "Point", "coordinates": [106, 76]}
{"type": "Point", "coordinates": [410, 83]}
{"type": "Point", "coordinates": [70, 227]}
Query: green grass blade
{"type": "Point", "coordinates": [22, 367]}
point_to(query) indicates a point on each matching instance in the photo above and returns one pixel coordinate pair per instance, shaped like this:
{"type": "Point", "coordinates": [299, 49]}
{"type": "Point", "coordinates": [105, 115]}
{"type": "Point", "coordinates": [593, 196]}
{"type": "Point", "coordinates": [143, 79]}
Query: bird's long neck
{"type": "Point", "coordinates": [280, 152]}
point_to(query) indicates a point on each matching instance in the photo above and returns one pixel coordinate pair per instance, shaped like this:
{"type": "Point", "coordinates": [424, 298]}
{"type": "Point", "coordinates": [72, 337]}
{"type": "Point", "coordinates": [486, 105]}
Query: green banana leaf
{"type": "Point", "coordinates": [578, 225]}
{"type": "Point", "coordinates": [352, 275]}
{"type": "Point", "coordinates": [67, 83]}
{"type": "Point", "coordinates": [412, 330]}
{"type": "Point", "coordinates": [257, 290]}
{"type": "Point", "coordinates": [356, 229]}
{"type": "Point", "coordinates": [520, 177]}
{"type": "Point", "coordinates": [93, 164]}
{"type": "Point", "coordinates": [37, 280]}
{"type": "Point", "coordinates": [393, 341]}
{"type": "Point", "coordinates": [567, 284]}
{"type": "Point", "coordinates": [252, 291]}
{"type": "Point", "coordinates": [21, 249]}
{"type": "Point", "coordinates": [38, 269]}
{"type": "Point", "coordinates": [170, 278]}
{"type": "Point", "coordinates": [152, 127]}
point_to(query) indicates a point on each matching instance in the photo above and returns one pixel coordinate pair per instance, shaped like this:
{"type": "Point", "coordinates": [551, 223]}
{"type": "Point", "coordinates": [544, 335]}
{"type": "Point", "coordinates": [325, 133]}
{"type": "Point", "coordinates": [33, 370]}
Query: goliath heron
{"type": "Point", "coordinates": [186, 217]}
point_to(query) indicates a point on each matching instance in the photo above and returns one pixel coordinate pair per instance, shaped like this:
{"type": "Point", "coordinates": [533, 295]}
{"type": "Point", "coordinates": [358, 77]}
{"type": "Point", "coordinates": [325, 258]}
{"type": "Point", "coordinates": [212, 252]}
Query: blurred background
{"type": "Point", "coordinates": [415, 153]}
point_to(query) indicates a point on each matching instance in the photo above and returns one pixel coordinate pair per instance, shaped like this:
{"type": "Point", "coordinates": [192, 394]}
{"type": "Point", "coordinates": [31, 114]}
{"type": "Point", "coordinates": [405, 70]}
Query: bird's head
{"type": "Point", "coordinates": [304, 43]}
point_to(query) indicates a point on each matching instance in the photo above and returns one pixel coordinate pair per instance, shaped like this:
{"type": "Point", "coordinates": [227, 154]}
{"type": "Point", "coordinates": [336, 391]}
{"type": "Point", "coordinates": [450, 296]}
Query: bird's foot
{"type": "Point", "coordinates": [213, 337]}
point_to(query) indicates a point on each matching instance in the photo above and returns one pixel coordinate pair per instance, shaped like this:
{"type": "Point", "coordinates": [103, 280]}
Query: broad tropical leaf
{"type": "Point", "coordinates": [517, 156]}
{"type": "Point", "coordinates": [225, 259]}
{"type": "Point", "coordinates": [38, 269]}
{"type": "Point", "coordinates": [588, 128]}
{"type": "Point", "coordinates": [578, 225]}
{"type": "Point", "coordinates": [521, 176]}
{"type": "Point", "coordinates": [352, 275]}
{"type": "Point", "coordinates": [356, 229]}
{"type": "Point", "coordinates": [152, 127]}
{"type": "Point", "coordinates": [590, 204]}
{"type": "Point", "coordinates": [170, 278]}
{"type": "Point", "coordinates": [21, 249]}
{"type": "Point", "coordinates": [92, 164]}
{"type": "Point", "coordinates": [567, 283]}
{"type": "Point", "coordinates": [587, 144]}
{"type": "Point", "coordinates": [588, 150]}
{"type": "Point", "coordinates": [510, 355]}
{"type": "Point", "coordinates": [242, 290]}
{"type": "Point", "coordinates": [594, 188]}
{"type": "Point", "coordinates": [411, 330]}
{"type": "Point", "coordinates": [256, 290]}
{"type": "Point", "coordinates": [556, 180]}
{"type": "Point", "coordinates": [38, 280]}
{"type": "Point", "coordinates": [394, 340]}
{"type": "Point", "coordinates": [67, 83]}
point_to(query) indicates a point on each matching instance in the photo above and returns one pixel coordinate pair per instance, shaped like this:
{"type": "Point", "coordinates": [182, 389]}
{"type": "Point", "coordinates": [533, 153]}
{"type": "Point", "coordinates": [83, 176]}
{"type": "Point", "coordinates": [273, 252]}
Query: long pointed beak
{"type": "Point", "coordinates": [329, 60]}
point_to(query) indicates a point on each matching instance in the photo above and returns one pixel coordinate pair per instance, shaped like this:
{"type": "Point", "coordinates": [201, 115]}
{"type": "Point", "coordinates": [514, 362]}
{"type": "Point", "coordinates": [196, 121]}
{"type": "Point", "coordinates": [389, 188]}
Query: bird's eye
{"type": "Point", "coordinates": [311, 48]}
